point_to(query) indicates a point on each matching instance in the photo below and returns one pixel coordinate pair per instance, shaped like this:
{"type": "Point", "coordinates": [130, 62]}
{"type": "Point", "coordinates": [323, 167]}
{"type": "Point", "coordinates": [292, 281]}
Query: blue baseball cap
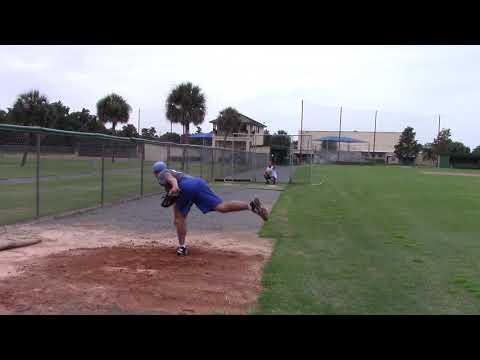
{"type": "Point", "coordinates": [159, 166]}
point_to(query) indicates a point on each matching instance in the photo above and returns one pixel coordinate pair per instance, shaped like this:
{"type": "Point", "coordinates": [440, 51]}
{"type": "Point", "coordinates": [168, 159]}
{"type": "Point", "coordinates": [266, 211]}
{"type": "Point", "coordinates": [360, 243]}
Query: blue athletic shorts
{"type": "Point", "coordinates": [195, 190]}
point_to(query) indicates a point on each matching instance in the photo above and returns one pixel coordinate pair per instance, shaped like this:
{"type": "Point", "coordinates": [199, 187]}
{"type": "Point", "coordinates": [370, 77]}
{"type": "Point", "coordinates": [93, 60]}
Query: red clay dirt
{"type": "Point", "coordinates": [148, 279]}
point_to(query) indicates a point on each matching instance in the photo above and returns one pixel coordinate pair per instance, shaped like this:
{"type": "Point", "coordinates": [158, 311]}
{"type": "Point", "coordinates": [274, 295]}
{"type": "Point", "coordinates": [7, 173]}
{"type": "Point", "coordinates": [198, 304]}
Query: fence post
{"type": "Point", "coordinates": [255, 160]}
{"type": "Point", "coordinates": [223, 162]}
{"type": "Point", "coordinates": [233, 157]}
{"type": "Point", "coordinates": [212, 167]}
{"type": "Point", "coordinates": [102, 188]}
{"type": "Point", "coordinates": [37, 181]}
{"type": "Point", "coordinates": [168, 155]}
{"type": "Point", "coordinates": [290, 180]}
{"type": "Point", "coordinates": [184, 158]}
{"type": "Point", "coordinates": [311, 163]}
{"type": "Point", "coordinates": [201, 162]}
{"type": "Point", "coordinates": [142, 161]}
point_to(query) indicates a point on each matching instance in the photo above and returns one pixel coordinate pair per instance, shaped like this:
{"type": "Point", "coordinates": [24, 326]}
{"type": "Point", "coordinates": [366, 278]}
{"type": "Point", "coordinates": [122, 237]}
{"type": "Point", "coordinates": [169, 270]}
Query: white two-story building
{"type": "Point", "coordinates": [250, 136]}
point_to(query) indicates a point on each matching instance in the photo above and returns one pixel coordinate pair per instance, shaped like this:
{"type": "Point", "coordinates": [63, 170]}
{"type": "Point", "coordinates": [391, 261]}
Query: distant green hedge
{"type": "Point", "coordinates": [465, 161]}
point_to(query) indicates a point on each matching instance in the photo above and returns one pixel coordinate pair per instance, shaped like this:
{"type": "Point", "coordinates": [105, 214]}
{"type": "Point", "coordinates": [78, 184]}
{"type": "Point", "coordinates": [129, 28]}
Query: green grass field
{"type": "Point", "coordinates": [122, 180]}
{"type": "Point", "coordinates": [375, 240]}
{"type": "Point", "coordinates": [10, 166]}
{"type": "Point", "coordinates": [17, 202]}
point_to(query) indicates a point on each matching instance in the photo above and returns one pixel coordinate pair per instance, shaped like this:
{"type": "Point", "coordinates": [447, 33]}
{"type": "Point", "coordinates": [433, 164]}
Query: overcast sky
{"type": "Point", "coordinates": [409, 85]}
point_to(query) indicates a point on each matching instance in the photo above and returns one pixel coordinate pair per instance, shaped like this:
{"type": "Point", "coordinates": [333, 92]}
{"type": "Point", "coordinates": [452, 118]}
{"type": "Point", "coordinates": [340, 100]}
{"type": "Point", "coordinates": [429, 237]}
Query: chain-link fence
{"type": "Point", "coordinates": [46, 171]}
{"type": "Point", "coordinates": [292, 156]}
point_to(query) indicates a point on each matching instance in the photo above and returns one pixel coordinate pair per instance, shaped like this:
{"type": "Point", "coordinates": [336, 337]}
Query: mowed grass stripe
{"type": "Point", "coordinates": [374, 240]}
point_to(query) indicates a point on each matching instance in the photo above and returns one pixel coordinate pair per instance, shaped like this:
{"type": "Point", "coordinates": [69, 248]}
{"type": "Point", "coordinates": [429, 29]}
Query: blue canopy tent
{"type": "Point", "coordinates": [202, 136]}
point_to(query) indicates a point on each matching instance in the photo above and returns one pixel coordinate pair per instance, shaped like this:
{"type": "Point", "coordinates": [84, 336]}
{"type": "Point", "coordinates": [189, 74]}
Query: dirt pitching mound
{"type": "Point", "coordinates": [135, 280]}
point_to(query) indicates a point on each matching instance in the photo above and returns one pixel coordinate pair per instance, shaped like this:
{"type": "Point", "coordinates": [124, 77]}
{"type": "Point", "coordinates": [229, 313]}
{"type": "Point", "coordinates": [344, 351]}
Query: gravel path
{"type": "Point", "coordinates": [147, 216]}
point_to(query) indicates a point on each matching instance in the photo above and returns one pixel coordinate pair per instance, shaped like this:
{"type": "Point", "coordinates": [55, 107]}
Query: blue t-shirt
{"type": "Point", "coordinates": [162, 176]}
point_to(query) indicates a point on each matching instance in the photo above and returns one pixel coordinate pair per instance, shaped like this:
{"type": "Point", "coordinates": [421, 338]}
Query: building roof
{"type": "Point", "coordinates": [352, 131]}
{"type": "Point", "coordinates": [245, 119]}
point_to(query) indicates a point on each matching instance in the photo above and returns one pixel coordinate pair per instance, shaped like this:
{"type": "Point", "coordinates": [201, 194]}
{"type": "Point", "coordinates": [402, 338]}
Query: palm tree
{"type": "Point", "coordinates": [186, 104]}
{"type": "Point", "coordinates": [30, 109]}
{"type": "Point", "coordinates": [114, 109]}
{"type": "Point", "coordinates": [228, 121]}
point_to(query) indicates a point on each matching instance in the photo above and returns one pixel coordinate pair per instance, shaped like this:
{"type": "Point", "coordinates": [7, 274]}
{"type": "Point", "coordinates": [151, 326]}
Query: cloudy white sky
{"type": "Point", "coordinates": [409, 85]}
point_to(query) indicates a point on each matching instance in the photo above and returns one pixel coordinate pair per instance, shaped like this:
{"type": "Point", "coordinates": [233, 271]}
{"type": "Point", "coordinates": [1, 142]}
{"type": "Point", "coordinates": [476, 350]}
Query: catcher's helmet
{"type": "Point", "coordinates": [159, 166]}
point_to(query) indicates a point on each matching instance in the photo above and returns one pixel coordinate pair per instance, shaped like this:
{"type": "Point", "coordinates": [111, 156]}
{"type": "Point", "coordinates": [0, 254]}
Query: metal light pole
{"type": "Point", "coordinates": [37, 176]}
{"type": "Point", "coordinates": [301, 135]}
{"type": "Point", "coordinates": [375, 132]}
{"type": "Point", "coordinates": [339, 134]}
{"type": "Point", "coordinates": [139, 121]}
{"type": "Point", "coordinates": [438, 135]}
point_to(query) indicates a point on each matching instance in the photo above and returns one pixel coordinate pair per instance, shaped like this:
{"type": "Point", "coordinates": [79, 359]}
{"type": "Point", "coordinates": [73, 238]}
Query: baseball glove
{"type": "Point", "coordinates": [169, 199]}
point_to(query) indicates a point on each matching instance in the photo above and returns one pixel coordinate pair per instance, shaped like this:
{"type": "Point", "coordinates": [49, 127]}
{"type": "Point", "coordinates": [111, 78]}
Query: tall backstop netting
{"type": "Point", "coordinates": [292, 156]}
{"type": "Point", "coordinates": [344, 135]}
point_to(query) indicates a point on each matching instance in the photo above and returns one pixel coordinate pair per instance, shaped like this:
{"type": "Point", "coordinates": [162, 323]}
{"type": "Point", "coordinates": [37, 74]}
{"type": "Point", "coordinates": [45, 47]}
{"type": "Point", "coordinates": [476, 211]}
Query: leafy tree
{"type": "Point", "coordinates": [170, 137]}
{"type": "Point", "coordinates": [428, 153]}
{"type": "Point", "coordinates": [476, 151]}
{"type": "Point", "coordinates": [81, 121]}
{"type": "Point", "coordinates": [279, 145]}
{"type": "Point", "coordinates": [149, 133]}
{"type": "Point", "coordinates": [228, 121]}
{"type": "Point", "coordinates": [407, 148]}
{"type": "Point", "coordinates": [84, 121]}
{"type": "Point", "coordinates": [458, 148]}
{"type": "Point", "coordinates": [71, 122]}
{"type": "Point", "coordinates": [128, 131]}
{"type": "Point", "coordinates": [186, 104]}
{"type": "Point", "coordinates": [58, 116]}
{"type": "Point", "coordinates": [442, 142]}
{"type": "Point", "coordinates": [30, 109]}
{"type": "Point", "coordinates": [113, 109]}
{"type": "Point", "coordinates": [3, 116]}
{"type": "Point", "coordinates": [95, 126]}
